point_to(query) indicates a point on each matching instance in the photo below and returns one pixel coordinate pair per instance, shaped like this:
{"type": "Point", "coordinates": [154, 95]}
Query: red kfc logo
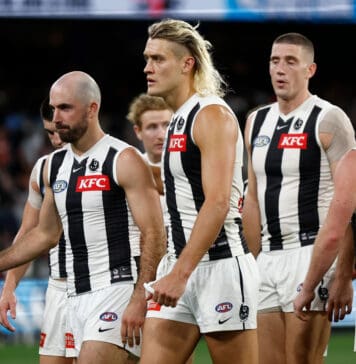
{"type": "Point", "coordinates": [177, 143]}
{"type": "Point", "coordinates": [93, 183]}
{"type": "Point", "coordinates": [293, 141]}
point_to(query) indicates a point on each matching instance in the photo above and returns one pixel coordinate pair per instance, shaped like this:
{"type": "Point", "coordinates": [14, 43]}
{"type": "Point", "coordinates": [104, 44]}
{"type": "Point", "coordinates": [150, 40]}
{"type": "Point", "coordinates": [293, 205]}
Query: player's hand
{"type": "Point", "coordinates": [7, 303]}
{"type": "Point", "coordinates": [168, 290]}
{"type": "Point", "coordinates": [133, 319]}
{"type": "Point", "coordinates": [302, 303]}
{"type": "Point", "coordinates": [340, 299]}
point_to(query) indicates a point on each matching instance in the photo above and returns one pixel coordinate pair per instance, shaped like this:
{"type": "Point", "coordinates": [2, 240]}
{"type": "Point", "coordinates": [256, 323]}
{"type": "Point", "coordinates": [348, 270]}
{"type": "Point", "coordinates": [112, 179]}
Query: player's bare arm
{"type": "Point", "coordinates": [135, 177]}
{"type": "Point", "coordinates": [215, 133]}
{"type": "Point", "coordinates": [39, 239]}
{"type": "Point", "coordinates": [251, 211]}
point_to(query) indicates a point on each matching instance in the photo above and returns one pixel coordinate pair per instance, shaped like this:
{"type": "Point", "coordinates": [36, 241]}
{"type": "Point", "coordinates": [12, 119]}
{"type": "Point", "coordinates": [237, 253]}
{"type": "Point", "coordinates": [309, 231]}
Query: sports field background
{"type": "Point", "coordinates": [340, 351]}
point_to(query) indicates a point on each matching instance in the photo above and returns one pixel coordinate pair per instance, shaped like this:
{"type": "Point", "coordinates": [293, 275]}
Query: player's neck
{"type": "Point", "coordinates": [88, 140]}
{"type": "Point", "coordinates": [288, 105]}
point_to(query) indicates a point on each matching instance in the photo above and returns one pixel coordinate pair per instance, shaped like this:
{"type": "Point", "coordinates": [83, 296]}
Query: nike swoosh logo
{"type": "Point", "coordinates": [223, 321]}
{"type": "Point", "coordinates": [103, 330]}
{"type": "Point", "coordinates": [279, 127]}
{"type": "Point", "coordinates": [77, 169]}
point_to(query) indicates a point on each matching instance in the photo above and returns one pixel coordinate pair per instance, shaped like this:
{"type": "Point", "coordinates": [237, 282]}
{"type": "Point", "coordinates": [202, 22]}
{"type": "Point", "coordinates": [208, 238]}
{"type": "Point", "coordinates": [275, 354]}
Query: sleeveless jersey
{"type": "Point", "coordinates": [294, 181]}
{"type": "Point", "coordinates": [101, 237]}
{"type": "Point", "coordinates": [183, 184]}
{"type": "Point", "coordinates": [56, 255]}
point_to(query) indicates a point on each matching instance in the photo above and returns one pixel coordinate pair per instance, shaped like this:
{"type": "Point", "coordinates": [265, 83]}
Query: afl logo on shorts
{"type": "Point", "coordinates": [224, 307]}
{"type": "Point", "coordinates": [108, 316]}
{"type": "Point", "coordinates": [59, 186]}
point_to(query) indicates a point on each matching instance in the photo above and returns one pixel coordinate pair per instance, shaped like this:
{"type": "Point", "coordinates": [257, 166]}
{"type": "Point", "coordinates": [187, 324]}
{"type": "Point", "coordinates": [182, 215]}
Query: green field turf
{"type": "Point", "coordinates": [340, 351]}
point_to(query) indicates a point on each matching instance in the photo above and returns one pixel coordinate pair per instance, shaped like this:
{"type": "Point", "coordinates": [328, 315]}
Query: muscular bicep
{"type": "Point", "coordinates": [215, 133]}
{"type": "Point", "coordinates": [30, 218]}
{"type": "Point", "coordinates": [49, 225]}
{"type": "Point", "coordinates": [336, 134]}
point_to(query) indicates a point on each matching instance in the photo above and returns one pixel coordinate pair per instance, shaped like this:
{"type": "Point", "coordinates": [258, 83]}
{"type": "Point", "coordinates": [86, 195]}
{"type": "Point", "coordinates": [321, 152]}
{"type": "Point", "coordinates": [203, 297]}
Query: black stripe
{"type": "Point", "coordinates": [274, 177]}
{"type": "Point", "coordinates": [116, 224]}
{"type": "Point", "coordinates": [40, 179]}
{"type": "Point", "coordinates": [175, 220]}
{"type": "Point", "coordinates": [62, 257]}
{"type": "Point", "coordinates": [242, 288]}
{"type": "Point", "coordinates": [309, 167]}
{"type": "Point", "coordinates": [76, 230]}
{"type": "Point", "coordinates": [191, 163]}
{"type": "Point", "coordinates": [57, 161]}
{"type": "Point", "coordinates": [238, 221]}
{"type": "Point", "coordinates": [259, 119]}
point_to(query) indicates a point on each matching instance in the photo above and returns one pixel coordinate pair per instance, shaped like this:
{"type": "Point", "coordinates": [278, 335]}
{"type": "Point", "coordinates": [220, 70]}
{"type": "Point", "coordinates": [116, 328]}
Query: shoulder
{"type": "Point", "coordinates": [40, 161]}
{"type": "Point", "coordinates": [330, 110]}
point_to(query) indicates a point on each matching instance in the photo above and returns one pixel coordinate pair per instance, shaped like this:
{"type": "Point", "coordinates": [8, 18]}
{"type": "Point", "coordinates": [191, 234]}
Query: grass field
{"type": "Point", "coordinates": [340, 351]}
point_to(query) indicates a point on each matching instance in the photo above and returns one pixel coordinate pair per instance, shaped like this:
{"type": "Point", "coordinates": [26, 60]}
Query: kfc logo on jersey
{"type": "Point", "coordinates": [293, 141]}
{"type": "Point", "coordinates": [177, 143]}
{"type": "Point", "coordinates": [92, 183]}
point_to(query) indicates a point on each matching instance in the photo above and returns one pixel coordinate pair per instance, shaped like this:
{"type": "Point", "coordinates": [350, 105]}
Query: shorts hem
{"type": "Point", "coordinates": [206, 330]}
{"type": "Point", "coordinates": [52, 353]}
{"type": "Point", "coordinates": [165, 316]}
{"type": "Point", "coordinates": [134, 350]}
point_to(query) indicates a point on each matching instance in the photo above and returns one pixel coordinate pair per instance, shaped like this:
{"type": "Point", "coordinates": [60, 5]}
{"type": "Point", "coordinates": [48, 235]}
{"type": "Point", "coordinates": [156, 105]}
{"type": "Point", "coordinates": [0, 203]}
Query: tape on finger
{"type": "Point", "coordinates": [148, 287]}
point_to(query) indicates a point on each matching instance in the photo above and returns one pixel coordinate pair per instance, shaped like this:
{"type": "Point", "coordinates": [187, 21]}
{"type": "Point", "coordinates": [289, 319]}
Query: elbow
{"type": "Point", "coordinates": [332, 241]}
{"type": "Point", "coordinates": [222, 206]}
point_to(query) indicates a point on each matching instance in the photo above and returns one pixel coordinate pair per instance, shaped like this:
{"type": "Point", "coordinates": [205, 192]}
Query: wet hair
{"type": "Point", "coordinates": [143, 103]}
{"type": "Point", "coordinates": [207, 80]}
{"type": "Point", "coordinates": [46, 111]}
{"type": "Point", "coordinates": [297, 39]}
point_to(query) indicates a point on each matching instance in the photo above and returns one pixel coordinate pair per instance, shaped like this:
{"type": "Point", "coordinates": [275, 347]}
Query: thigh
{"type": "Point", "coordinates": [47, 359]}
{"type": "Point", "coordinates": [168, 341]}
{"type": "Point", "coordinates": [97, 352]}
{"type": "Point", "coordinates": [271, 337]}
{"type": "Point", "coordinates": [306, 341]}
{"type": "Point", "coordinates": [239, 345]}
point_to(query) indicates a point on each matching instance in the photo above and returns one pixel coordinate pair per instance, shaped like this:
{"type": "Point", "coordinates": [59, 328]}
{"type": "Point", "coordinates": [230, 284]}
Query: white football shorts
{"type": "Point", "coordinates": [220, 295]}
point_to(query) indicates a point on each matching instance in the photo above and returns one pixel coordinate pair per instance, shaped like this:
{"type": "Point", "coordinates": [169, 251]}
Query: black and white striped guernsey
{"type": "Point", "coordinates": [183, 185]}
{"type": "Point", "coordinates": [56, 255]}
{"type": "Point", "coordinates": [101, 237]}
{"type": "Point", "coordinates": [294, 181]}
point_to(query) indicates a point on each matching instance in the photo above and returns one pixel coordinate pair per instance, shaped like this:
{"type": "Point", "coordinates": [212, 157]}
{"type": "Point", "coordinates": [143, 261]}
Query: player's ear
{"type": "Point", "coordinates": [188, 63]}
{"type": "Point", "coordinates": [137, 131]}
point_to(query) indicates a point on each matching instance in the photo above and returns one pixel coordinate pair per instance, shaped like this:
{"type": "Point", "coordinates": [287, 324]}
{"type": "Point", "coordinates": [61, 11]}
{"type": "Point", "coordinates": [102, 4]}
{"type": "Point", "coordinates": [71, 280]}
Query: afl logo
{"type": "Point", "coordinates": [224, 307]}
{"type": "Point", "coordinates": [261, 141]}
{"type": "Point", "coordinates": [108, 316]}
{"type": "Point", "coordinates": [59, 186]}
